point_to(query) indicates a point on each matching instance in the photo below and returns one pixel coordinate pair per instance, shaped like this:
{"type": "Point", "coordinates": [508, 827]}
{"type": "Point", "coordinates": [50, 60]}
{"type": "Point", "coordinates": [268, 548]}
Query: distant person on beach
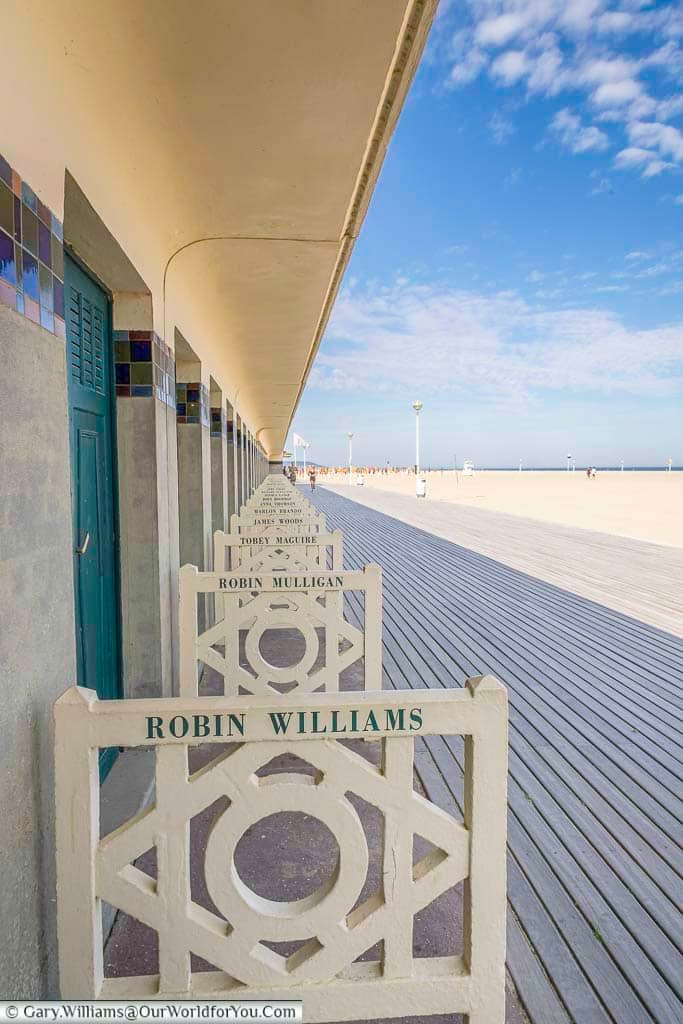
{"type": "Point", "coordinates": [588, 472]}
{"type": "Point", "coordinates": [311, 478]}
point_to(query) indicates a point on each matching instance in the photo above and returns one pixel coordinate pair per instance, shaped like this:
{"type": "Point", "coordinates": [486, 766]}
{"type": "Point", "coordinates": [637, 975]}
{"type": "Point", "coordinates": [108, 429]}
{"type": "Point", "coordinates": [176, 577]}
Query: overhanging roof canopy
{"type": "Point", "coordinates": [230, 147]}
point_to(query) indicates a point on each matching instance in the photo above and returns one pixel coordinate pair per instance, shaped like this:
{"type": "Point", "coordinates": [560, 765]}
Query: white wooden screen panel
{"type": "Point", "coordinates": [323, 972]}
{"type": "Point", "coordinates": [251, 604]}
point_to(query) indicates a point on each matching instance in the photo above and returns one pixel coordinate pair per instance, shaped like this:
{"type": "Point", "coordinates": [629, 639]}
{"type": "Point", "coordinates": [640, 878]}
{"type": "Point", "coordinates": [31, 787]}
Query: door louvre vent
{"type": "Point", "coordinates": [87, 342]}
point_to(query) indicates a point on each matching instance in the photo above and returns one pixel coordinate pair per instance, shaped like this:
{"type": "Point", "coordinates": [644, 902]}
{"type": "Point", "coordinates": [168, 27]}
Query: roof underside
{"type": "Point", "coordinates": [230, 148]}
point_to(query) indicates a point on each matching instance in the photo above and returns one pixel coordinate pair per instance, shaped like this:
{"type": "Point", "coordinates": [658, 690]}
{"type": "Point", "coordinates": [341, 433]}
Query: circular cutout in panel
{"type": "Point", "coordinates": [279, 920]}
{"type": "Point", "coordinates": [282, 648]}
{"type": "Point", "coordinates": [287, 857]}
{"type": "Point", "coordinates": [281, 621]}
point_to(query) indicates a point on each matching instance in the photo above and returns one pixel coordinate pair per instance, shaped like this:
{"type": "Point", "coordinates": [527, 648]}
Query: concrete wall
{"type": "Point", "coordinates": [169, 546]}
{"type": "Point", "coordinates": [146, 524]}
{"type": "Point", "coordinates": [37, 649]}
{"type": "Point", "coordinates": [194, 505]}
{"type": "Point", "coordinates": [138, 523]}
{"type": "Point", "coordinates": [219, 483]}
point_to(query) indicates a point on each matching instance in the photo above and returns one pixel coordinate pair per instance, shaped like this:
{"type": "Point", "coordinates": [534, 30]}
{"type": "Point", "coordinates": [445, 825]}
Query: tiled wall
{"type": "Point", "coordinates": [192, 403]}
{"type": "Point", "coordinates": [144, 366]}
{"type": "Point", "coordinates": [219, 421]}
{"type": "Point", "coordinates": [31, 254]}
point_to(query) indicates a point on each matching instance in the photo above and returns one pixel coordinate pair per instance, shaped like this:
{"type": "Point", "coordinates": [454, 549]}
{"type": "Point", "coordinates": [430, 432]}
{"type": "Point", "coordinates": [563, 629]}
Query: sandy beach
{"type": "Point", "coordinates": [645, 506]}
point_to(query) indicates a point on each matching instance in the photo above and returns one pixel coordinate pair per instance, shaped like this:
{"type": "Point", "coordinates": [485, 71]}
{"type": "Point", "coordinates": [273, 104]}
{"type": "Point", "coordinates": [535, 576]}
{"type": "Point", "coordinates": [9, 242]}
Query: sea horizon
{"type": "Point", "coordinates": [516, 469]}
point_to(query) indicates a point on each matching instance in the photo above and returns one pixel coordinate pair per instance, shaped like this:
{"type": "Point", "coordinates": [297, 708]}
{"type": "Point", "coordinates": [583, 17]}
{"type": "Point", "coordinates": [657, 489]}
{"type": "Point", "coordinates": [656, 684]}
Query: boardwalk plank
{"type": "Point", "coordinates": [595, 766]}
{"type": "Point", "coordinates": [634, 779]}
{"type": "Point", "coordinates": [589, 563]}
{"type": "Point", "coordinates": [531, 675]}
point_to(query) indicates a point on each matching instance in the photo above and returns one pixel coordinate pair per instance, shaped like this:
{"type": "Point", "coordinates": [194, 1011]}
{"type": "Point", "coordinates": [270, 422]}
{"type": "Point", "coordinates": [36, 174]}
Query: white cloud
{"type": "Point", "coordinates": [646, 159]}
{"type": "Point", "coordinates": [607, 69]}
{"type": "Point", "coordinates": [656, 270]}
{"type": "Point", "coordinates": [679, 200]}
{"type": "Point", "coordinates": [438, 339]}
{"type": "Point", "coordinates": [550, 47]}
{"type": "Point", "coordinates": [603, 185]}
{"type": "Point", "coordinates": [467, 68]}
{"type": "Point", "coordinates": [615, 21]}
{"type": "Point", "coordinates": [510, 66]}
{"type": "Point", "coordinates": [546, 74]}
{"type": "Point", "coordinates": [578, 14]}
{"type": "Point", "coordinates": [664, 137]}
{"type": "Point", "coordinates": [669, 108]}
{"type": "Point", "coordinates": [672, 289]}
{"type": "Point", "coordinates": [501, 127]}
{"type": "Point", "coordinates": [632, 156]}
{"type": "Point", "coordinates": [615, 94]}
{"type": "Point", "coordinates": [500, 30]}
{"type": "Point", "coordinates": [656, 167]}
{"type": "Point", "coordinates": [575, 136]}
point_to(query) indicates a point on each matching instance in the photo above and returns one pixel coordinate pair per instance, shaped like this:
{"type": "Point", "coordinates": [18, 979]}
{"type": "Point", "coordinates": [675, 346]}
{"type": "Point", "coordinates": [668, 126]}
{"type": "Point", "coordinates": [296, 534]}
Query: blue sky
{"type": "Point", "coordinates": [521, 266]}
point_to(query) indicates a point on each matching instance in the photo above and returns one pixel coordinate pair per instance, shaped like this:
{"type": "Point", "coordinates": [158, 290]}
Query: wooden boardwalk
{"type": "Point", "coordinates": [595, 931]}
{"type": "Point", "coordinates": [631, 576]}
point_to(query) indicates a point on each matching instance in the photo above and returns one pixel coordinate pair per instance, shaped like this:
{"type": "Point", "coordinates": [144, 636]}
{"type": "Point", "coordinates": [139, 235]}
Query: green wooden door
{"type": "Point", "coordinates": [91, 405]}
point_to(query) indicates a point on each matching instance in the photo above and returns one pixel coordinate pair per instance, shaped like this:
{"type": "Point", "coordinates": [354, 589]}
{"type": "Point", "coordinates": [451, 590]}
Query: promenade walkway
{"type": "Point", "coordinates": [595, 791]}
{"type": "Point", "coordinates": [639, 579]}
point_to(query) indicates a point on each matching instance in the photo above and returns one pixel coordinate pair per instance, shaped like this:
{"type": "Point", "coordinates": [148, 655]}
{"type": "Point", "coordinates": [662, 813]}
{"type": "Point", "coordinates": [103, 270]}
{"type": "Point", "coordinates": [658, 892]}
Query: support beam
{"type": "Point", "coordinates": [148, 508]}
{"type": "Point", "coordinates": [219, 460]}
{"type": "Point", "coordinates": [232, 462]}
{"type": "Point", "coordinates": [194, 464]}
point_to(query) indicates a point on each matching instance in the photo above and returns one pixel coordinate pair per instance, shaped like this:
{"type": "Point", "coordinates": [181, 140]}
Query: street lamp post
{"type": "Point", "coordinates": [417, 406]}
{"type": "Point", "coordinates": [350, 437]}
{"type": "Point", "coordinates": [419, 485]}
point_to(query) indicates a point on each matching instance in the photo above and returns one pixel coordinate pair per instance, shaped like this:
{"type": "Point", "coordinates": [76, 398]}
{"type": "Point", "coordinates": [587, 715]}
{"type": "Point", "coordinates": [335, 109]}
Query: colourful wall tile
{"type": "Point", "coordinates": [33, 271]}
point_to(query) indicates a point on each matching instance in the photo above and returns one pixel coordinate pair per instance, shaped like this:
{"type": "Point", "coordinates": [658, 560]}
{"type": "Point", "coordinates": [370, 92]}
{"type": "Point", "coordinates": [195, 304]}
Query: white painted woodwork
{"type": "Point", "coordinates": [309, 601]}
{"type": "Point", "coordinates": [282, 552]}
{"type": "Point", "coordinates": [323, 972]}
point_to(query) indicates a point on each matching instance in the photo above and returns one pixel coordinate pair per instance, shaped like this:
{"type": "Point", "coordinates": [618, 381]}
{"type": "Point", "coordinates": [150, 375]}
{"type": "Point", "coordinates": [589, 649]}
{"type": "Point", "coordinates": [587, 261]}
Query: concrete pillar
{"type": "Point", "coordinates": [194, 466]}
{"type": "Point", "coordinates": [147, 498]}
{"type": "Point", "coordinates": [232, 462]}
{"type": "Point", "coordinates": [219, 460]}
{"type": "Point", "coordinates": [238, 462]}
{"type": "Point", "coordinates": [245, 447]}
{"type": "Point", "coordinates": [242, 468]}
